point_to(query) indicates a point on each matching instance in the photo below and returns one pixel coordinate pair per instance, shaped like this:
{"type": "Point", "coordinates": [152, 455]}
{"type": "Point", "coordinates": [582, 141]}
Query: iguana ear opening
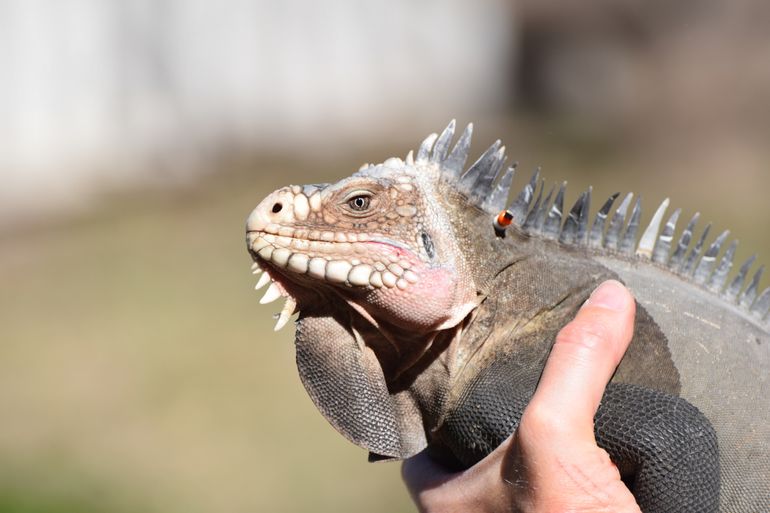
{"type": "Point", "coordinates": [345, 381]}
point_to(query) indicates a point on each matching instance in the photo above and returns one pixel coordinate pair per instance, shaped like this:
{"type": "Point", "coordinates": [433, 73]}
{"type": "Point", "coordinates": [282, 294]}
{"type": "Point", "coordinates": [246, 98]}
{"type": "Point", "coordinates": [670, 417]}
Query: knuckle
{"type": "Point", "coordinates": [542, 419]}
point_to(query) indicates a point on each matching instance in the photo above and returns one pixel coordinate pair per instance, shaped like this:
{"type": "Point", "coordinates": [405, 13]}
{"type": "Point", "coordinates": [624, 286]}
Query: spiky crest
{"type": "Point", "coordinates": [485, 186]}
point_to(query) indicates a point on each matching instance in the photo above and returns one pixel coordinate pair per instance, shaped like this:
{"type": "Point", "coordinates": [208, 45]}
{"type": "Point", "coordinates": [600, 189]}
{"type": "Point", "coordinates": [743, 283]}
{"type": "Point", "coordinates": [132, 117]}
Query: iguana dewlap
{"type": "Point", "coordinates": [425, 321]}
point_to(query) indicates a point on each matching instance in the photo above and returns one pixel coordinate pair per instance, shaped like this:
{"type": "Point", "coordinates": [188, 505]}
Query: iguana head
{"type": "Point", "coordinates": [378, 241]}
{"type": "Point", "coordinates": [381, 279]}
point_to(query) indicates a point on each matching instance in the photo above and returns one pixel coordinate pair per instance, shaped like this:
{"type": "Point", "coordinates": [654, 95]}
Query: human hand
{"type": "Point", "coordinates": [551, 463]}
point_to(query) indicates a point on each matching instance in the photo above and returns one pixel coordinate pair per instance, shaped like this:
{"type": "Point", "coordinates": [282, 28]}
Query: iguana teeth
{"type": "Point", "coordinates": [280, 257]}
{"type": "Point", "coordinates": [266, 252]}
{"type": "Point", "coordinates": [337, 271]}
{"type": "Point", "coordinates": [360, 275]}
{"type": "Point", "coordinates": [263, 280]}
{"type": "Point", "coordinates": [298, 263]}
{"type": "Point", "coordinates": [375, 280]}
{"type": "Point", "coordinates": [288, 309]}
{"type": "Point", "coordinates": [317, 268]}
{"type": "Point", "coordinates": [389, 279]}
{"type": "Point", "coordinates": [260, 243]}
{"type": "Point", "coordinates": [272, 293]}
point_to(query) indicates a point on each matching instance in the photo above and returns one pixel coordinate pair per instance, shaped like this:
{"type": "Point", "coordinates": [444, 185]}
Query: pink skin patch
{"type": "Point", "coordinates": [421, 306]}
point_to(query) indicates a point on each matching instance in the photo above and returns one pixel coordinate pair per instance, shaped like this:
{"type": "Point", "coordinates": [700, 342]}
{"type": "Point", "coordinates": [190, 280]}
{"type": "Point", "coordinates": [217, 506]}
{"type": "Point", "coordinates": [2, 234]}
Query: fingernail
{"type": "Point", "coordinates": [610, 295]}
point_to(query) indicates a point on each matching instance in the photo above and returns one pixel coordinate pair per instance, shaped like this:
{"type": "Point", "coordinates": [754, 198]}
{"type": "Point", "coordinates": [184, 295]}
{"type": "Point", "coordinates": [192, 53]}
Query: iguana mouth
{"type": "Point", "coordinates": [292, 264]}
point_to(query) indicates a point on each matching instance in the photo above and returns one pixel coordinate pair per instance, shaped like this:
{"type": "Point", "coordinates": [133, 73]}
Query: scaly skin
{"type": "Point", "coordinates": [370, 240]}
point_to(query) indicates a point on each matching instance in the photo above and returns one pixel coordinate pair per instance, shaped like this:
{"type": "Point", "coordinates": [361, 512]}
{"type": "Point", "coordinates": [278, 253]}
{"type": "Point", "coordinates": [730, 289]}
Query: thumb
{"type": "Point", "coordinates": [583, 359]}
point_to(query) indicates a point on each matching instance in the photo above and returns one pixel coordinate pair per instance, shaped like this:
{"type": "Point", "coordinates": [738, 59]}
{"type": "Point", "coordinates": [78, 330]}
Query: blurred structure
{"type": "Point", "coordinates": [97, 93]}
{"type": "Point", "coordinates": [653, 69]}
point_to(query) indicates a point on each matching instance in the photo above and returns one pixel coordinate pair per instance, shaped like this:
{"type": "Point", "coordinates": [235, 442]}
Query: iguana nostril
{"type": "Point", "coordinates": [277, 208]}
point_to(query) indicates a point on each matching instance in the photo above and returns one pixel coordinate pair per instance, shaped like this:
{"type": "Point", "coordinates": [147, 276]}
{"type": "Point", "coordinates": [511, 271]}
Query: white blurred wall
{"type": "Point", "coordinates": [95, 93]}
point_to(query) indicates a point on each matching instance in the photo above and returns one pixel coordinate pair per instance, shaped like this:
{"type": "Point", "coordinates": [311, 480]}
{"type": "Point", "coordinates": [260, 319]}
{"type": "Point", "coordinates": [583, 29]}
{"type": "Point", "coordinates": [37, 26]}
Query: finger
{"type": "Point", "coordinates": [583, 359]}
{"type": "Point", "coordinates": [421, 472]}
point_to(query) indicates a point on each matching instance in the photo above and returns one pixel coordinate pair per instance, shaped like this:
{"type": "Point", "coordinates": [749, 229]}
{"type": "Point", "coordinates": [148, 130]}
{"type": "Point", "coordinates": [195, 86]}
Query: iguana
{"type": "Point", "coordinates": [427, 310]}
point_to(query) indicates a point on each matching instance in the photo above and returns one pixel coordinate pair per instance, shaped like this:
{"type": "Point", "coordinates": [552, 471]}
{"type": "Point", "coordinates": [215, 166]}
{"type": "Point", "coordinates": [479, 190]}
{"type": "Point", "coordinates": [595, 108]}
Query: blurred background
{"type": "Point", "coordinates": [137, 370]}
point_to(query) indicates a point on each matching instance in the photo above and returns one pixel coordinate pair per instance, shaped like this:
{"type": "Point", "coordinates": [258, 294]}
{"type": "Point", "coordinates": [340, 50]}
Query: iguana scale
{"type": "Point", "coordinates": [424, 321]}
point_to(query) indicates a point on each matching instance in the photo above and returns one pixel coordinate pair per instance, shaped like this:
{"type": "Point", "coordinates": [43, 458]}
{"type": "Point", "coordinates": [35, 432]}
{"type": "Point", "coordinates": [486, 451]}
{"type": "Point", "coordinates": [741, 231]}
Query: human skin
{"type": "Point", "coordinates": [551, 464]}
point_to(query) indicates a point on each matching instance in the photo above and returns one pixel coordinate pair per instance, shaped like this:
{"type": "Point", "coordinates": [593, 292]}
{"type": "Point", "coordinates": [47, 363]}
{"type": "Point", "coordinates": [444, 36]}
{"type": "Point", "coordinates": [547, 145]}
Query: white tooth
{"type": "Point", "coordinates": [283, 241]}
{"type": "Point", "coordinates": [259, 244]}
{"type": "Point", "coordinates": [263, 280]}
{"type": "Point", "coordinates": [360, 274]}
{"type": "Point", "coordinates": [298, 263]}
{"type": "Point", "coordinates": [394, 268]}
{"type": "Point", "coordinates": [301, 207]}
{"type": "Point", "coordinates": [376, 280]}
{"type": "Point", "coordinates": [271, 295]}
{"type": "Point", "coordinates": [301, 244]}
{"type": "Point", "coordinates": [256, 270]}
{"type": "Point", "coordinates": [410, 276]}
{"type": "Point", "coordinates": [389, 279]}
{"type": "Point", "coordinates": [402, 284]}
{"type": "Point", "coordinates": [315, 201]}
{"type": "Point", "coordinates": [280, 257]}
{"type": "Point", "coordinates": [288, 309]}
{"type": "Point", "coordinates": [337, 271]}
{"type": "Point", "coordinates": [254, 266]}
{"type": "Point", "coordinates": [266, 252]}
{"type": "Point", "coordinates": [317, 268]}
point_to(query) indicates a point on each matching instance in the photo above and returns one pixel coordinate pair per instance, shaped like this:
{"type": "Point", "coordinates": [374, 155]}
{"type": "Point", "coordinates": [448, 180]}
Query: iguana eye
{"type": "Point", "coordinates": [359, 203]}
